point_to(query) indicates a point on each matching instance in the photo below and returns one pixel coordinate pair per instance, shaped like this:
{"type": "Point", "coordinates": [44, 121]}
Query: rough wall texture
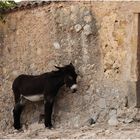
{"type": "Point", "coordinates": [95, 36]}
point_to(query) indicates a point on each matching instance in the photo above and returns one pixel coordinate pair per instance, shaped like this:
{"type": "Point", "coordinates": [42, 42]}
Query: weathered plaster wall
{"type": "Point", "coordinates": [95, 36]}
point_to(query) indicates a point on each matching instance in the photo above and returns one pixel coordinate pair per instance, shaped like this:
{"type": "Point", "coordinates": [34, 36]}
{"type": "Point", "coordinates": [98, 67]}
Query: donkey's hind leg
{"type": "Point", "coordinates": [18, 108]}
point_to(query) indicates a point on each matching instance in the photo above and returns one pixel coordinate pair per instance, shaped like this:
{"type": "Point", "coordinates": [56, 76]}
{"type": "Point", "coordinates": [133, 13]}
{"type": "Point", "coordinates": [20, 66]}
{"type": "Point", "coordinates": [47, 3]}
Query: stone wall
{"type": "Point", "coordinates": [97, 37]}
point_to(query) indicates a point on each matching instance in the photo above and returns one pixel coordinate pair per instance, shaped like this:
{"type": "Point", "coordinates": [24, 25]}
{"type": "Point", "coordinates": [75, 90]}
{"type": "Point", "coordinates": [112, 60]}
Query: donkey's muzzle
{"type": "Point", "coordinates": [74, 88]}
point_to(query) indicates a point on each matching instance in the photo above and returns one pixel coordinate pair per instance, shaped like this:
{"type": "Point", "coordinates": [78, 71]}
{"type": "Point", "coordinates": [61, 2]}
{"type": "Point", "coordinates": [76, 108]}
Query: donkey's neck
{"type": "Point", "coordinates": [59, 79]}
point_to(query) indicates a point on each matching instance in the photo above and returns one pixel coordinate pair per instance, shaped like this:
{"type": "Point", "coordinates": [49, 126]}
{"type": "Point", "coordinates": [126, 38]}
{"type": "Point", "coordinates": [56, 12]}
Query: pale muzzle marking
{"type": "Point", "coordinates": [74, 86]}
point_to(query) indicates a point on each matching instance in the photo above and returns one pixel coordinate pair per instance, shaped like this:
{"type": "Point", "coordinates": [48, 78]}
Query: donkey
{"type": "Point", "coordinates": [42, 87]}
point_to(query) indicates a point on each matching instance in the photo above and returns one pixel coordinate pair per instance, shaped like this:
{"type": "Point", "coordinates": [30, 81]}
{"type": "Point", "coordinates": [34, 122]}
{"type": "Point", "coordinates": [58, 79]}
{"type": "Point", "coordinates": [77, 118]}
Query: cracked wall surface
{"type": "Point", "coordinates": [97, 37]}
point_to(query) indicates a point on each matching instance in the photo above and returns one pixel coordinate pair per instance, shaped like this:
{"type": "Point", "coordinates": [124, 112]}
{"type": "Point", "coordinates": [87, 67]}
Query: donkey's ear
{"type": "Point", "coordinates": [57, 67]}
{"type": "Point", "coordinates": [71, 64]}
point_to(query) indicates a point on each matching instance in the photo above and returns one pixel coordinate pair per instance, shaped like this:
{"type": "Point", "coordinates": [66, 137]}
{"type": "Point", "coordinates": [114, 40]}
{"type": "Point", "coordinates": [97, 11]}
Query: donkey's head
{"type": "Point", "coordinates": [70, 76]}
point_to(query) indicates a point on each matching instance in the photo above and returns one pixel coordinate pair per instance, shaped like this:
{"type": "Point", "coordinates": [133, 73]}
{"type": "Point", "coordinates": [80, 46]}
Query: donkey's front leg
{"type": "Point", "coordinates": [48, 111]}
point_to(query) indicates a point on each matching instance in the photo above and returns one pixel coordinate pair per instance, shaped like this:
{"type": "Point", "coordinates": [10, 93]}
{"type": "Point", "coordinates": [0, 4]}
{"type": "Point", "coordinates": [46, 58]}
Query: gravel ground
{"type": "Point", "coordinates": [123, 131]}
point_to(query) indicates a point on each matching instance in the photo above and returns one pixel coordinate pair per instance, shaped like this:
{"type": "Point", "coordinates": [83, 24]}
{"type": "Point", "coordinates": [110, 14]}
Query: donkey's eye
{"type": "Point", "coordinates": [70, 77]}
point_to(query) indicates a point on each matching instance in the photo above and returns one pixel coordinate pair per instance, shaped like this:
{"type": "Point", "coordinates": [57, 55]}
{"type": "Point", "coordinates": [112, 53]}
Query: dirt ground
{"type": "Point", "coordinates": [123, 131]}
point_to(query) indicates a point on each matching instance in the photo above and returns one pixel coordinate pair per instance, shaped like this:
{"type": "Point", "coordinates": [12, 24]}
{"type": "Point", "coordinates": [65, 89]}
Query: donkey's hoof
{"type": "Point", "coordinates": [49, 126]}
{"type": "Point", "coordinates": [18, 127]}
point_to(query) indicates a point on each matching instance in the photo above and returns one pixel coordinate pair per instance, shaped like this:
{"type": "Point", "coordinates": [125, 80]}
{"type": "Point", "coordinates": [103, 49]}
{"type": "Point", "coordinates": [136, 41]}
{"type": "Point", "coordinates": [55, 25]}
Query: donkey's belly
{"type": "Point", "coordinates": [34, 98]}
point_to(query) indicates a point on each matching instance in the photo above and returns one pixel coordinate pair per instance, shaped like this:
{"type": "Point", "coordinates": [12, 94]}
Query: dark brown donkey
{"type": "Point", "coordinates": [42, 87]}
